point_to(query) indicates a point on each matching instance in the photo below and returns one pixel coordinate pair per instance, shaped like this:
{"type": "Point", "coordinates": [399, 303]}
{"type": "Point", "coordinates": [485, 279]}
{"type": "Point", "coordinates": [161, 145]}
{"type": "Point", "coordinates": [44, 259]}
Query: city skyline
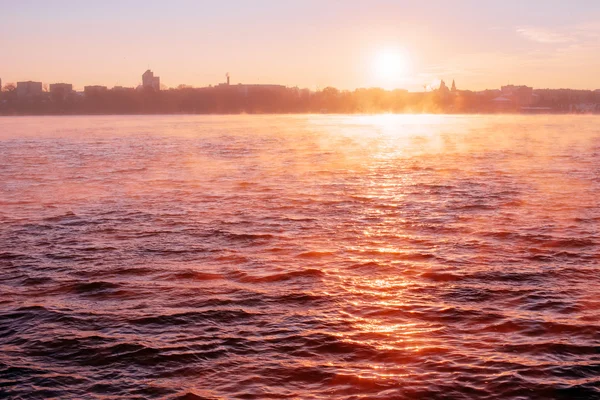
{"type": "Point", "coordinates": [545, 45]}
{"type": "Point", "coordinates": [35, 98]}
{"type": "Point", "coordinates": [150, 81]}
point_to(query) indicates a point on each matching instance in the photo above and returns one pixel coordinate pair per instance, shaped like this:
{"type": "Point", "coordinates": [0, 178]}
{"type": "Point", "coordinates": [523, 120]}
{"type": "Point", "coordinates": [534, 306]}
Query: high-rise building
{"type": "Point", "coordinates": [61, 89]}
{"type": "Point", "coordinates": [150, 81]}
{"type": "Point", "coordinates": [28, 89]}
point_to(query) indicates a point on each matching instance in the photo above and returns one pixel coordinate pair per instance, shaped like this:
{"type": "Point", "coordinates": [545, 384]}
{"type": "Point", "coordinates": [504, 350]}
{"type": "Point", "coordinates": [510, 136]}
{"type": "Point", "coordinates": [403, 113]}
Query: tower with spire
{"type": "Point", "coordinates": [453, 89]}
{"type": "Point", "coordinates": [443, 88]}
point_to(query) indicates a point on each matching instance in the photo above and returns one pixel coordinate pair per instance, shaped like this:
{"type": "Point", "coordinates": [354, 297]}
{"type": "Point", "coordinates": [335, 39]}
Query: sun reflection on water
{"type": "Point", "coordinates": [303, 256]}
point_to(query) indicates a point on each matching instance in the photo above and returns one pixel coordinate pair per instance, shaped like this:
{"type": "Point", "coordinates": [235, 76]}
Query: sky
{"type": "Point", "coordinates": [482, 44]}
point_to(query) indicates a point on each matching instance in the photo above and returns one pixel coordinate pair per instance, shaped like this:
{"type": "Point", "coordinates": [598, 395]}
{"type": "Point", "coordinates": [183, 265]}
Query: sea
{"type": "Point", "coordinates": [300, 257]}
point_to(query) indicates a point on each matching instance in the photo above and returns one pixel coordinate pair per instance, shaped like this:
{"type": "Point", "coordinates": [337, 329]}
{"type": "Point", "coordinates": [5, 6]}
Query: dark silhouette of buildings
{"type": "Point", "coordinates": [149, 81]}
{"type": "Point", "coordinates": [29, 89]}
{"type": "Point", "coordinates": [95, 90]}
{"type": "Point", "coordinates": [443, 88]}
{"type": "Point", "coordinates": [225, 98]}
{"type": "Point", "coordinates": [60, 91]}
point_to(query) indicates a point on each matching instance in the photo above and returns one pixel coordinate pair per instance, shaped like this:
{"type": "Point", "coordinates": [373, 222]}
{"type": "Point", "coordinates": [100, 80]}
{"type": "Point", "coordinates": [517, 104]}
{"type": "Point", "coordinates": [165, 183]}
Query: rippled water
{"type": "Point", "coordinates": [307, 257]}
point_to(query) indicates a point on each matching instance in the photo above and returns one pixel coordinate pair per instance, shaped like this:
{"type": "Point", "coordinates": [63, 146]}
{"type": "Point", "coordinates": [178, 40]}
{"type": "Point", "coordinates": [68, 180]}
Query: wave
{"type": "Point", "coordinates": [299, 260]}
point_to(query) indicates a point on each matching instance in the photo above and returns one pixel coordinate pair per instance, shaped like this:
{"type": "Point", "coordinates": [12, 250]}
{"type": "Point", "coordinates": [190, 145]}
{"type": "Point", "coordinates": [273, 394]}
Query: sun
{"type": "Point", "coordinates": [391, 67]}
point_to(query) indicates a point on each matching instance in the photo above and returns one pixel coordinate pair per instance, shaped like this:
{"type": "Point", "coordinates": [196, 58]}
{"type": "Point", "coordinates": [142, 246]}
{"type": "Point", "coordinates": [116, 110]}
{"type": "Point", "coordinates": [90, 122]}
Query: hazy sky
{"type": "Point", "coordinates": [306, 43]}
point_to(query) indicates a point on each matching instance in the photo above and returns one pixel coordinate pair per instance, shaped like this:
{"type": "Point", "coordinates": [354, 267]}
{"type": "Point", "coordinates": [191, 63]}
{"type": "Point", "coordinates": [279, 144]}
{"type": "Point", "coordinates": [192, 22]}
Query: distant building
{"type": "Point", "coordinates": [502, 103]}
{"type": "Point", "coordinates": [28, 89]}
{"type": "Point", "coordinates": [95, 89]}
{"type": "Point", "coordinates": [583, 108]}
{"type": "Point", "coordinates": [443, 88]}
{"type": "Point", "coordinates": [489, 93]}
{"type": "Point", "coordinates": [522, 96]}
{"type": "Point", "coordinates": [122, 89]}
{"type": "Point", "coordinates": [60, 90]}
{"type": "Point", "coordinates": [150, 81]}
{"type": "Point", "coordinates": [453, 89]}
{"type": "Point", "coordinates": [247, 89]}
{"type": "Point", "coordinates": [227, 82]}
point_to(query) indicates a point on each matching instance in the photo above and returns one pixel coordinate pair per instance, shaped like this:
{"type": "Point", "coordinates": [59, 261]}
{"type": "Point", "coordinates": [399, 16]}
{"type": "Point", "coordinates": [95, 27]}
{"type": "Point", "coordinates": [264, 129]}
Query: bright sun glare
{"type": "Point", "coordinates": [391, 67]}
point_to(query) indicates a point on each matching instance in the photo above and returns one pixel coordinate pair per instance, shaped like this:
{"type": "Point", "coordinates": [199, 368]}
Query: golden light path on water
{"type": "Point", "coordinates": [322, 256]}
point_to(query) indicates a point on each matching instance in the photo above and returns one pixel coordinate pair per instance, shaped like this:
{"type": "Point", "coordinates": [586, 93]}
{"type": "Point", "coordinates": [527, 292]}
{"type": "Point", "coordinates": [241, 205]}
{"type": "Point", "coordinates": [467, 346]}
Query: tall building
{"type": "Point", "coordinates": [150, 81]}
{"type": "Point", "coordinates": [61, 89]}
{"type": "Point", "coordinates": [453, 89]}
{"type": "Point", "coordinates": [94, 90]}
{"type": "Point", "coordinates": [28, 89]}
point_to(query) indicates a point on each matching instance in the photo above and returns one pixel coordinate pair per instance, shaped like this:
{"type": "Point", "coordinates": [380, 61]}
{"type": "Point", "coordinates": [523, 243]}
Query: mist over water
{"type": "Point", "coordinates": [307, 257]}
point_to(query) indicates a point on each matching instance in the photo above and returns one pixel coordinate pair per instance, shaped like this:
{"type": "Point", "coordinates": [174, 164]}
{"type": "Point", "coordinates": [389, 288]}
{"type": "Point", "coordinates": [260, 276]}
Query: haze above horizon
{"type": "Point", "coordinates": [308, 44]}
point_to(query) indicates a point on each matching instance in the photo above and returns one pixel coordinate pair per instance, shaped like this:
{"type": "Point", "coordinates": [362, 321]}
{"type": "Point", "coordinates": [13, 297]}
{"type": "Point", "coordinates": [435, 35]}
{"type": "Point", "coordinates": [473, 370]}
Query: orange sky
{"type": "Point", "coordinates": [307, 44]}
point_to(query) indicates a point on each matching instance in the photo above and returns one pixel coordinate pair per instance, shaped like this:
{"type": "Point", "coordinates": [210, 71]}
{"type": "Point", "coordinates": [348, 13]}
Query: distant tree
{"type": "Point", "coordinates": [331, 91]}
{"type": "Point", "coordinates": [10, 87]}
{"type": "Point", "coordinates": [45, 87]}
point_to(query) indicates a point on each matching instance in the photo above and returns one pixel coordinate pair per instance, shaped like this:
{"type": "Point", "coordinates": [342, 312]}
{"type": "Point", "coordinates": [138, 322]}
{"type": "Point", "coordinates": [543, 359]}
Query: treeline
{"type": "Point", "coordinates": [256, 100]}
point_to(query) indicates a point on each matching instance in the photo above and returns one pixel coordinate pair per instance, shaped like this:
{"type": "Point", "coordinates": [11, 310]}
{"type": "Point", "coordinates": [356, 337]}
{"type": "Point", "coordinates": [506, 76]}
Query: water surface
{"type": "Point", "coordinates": [313, 257]}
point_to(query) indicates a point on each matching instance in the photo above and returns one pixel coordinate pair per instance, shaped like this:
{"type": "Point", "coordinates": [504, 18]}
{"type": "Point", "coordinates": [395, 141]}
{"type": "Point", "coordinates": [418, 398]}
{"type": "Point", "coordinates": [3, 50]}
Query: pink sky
{"type": "Point", "coordinates": [308, 44]}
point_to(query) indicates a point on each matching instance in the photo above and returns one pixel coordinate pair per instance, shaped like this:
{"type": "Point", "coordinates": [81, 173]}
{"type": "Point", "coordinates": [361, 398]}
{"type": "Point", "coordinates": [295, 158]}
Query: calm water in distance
{"type": "Point", "coordinates": [308, 257]}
